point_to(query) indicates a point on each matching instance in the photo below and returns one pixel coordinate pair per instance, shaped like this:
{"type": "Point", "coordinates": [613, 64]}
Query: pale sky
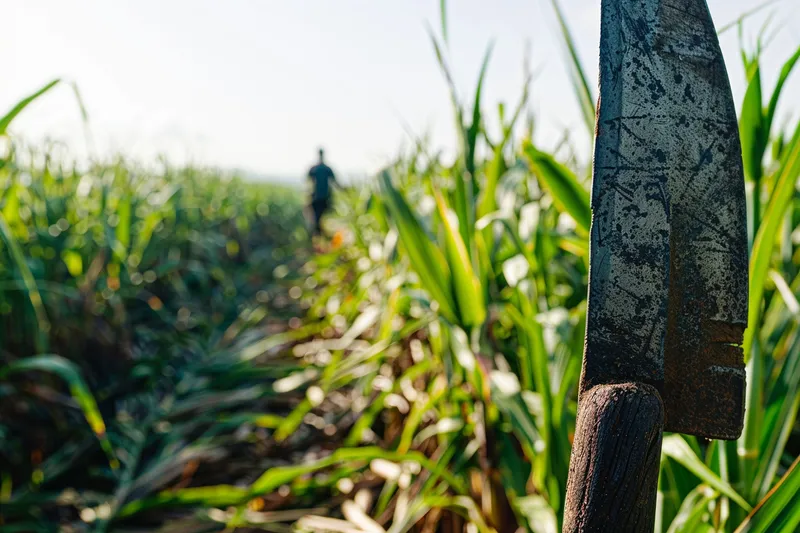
{"type": "Point", "coordinates": [260, 84]}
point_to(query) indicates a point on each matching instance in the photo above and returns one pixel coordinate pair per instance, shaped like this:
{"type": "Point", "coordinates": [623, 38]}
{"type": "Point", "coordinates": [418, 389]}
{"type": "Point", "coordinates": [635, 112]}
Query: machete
{"type": "Point", "coordinates": [668, 285]}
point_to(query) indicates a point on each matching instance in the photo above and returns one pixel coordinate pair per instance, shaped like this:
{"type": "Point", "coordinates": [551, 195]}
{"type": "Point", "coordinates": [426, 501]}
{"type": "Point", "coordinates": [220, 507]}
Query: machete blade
{"type": "Point", "coordinates": [668, 282]}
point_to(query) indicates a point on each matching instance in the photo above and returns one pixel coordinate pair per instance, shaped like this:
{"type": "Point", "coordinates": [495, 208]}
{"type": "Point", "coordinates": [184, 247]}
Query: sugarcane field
{"type": "Point", "coordinates": [400, 267]}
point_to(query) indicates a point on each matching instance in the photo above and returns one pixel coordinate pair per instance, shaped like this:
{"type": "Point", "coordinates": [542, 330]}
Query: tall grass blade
{"type": "Point", "coordinates": [779, 419]}
{"type": "Point", "coordinates": [426, 258]}
{"type": "Point", "coordinates": [786, 70]}
{"type": "Point", "coordinates": [466, 285]}
{"type": "Point", "coordinates": [451, 86]}
{"type": "Point", "coordinates": [443, 19]}
{"type": "Point", "coordinates": [744, 16]}
{"type": "Point", "coordinates": [462, 173]}
{"type": "Point", "coordinates": [690, 516]}
{"type": "Point", "coordinates": [567, 192]}
{"type": "Point", "coordinates": [87, 132]}
{"type": "Point", "coordinates": [752, 131]}
{"type": "Point", "coordinates": [779, 511]}
{"type": "Point", "coordinates": [580, 83]}
{"type": "Point", "coordinates": [475, 127]}
{"type": "Point", "coordinates": [22, 104]}
{"type": "Point", "coordinates": [764, 242]}
{"type": "Point", "coordinates": [70, 373]}
{"type": "Point", "coordinates": [272, 479]}
{"type": "Point", "coordinates": [675, 447]}
{"type": "Point", "coordinates": [31, 288]}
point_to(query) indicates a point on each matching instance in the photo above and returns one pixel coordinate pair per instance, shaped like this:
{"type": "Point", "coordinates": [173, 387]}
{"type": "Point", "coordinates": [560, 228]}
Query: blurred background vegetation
{"type": "Point", "coordinates": [175, 356]}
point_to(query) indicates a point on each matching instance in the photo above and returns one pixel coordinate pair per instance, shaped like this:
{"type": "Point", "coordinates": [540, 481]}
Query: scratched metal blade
{"type": "Point", "coordinates": [668, 275]}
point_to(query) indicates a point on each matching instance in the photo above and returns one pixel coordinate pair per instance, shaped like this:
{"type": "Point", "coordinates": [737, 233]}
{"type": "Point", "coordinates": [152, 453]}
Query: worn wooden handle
{"type": "Point", "coordinates": [613, 471]}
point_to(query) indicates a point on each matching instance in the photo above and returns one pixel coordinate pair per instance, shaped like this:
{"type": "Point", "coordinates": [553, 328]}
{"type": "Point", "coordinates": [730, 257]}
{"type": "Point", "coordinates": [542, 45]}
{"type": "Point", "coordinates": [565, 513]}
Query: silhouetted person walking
{"type": "Point", "coordinates": [322, 177]}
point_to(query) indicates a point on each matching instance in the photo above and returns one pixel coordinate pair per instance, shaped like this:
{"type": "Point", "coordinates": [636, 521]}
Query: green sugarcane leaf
{"type": "Point", "coordinates": [443, 18]}
{"type": "Point", "coordinates": [29, 282]}
{"type": "Point", "coordinates": [690, 515]}
{"type": "Point", "coordinates": [787, 69]}
{"type": "Point", "coordinates": [71, 374]}
{"type": "Point", "coordinates": [567, 192]}
{"type": "Point", "coordinates": [764, 243]}
{"type": "Point", "coordinates": [580, 82]}
{"type": "Point", "coordinates": [675, 447]}
{"type": "Point", "coordinates": [272, 479]}
{"type": "Point", "coordinates": [22, 104]}
{"type": "Point", "coordinates": [427, 260]}
{"type": "Point", "coordinates": [779, 511]}
{"type": "Point", "coordinates": [466, 285]}
{"type": "Point", "coordinates": [751, 125]}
